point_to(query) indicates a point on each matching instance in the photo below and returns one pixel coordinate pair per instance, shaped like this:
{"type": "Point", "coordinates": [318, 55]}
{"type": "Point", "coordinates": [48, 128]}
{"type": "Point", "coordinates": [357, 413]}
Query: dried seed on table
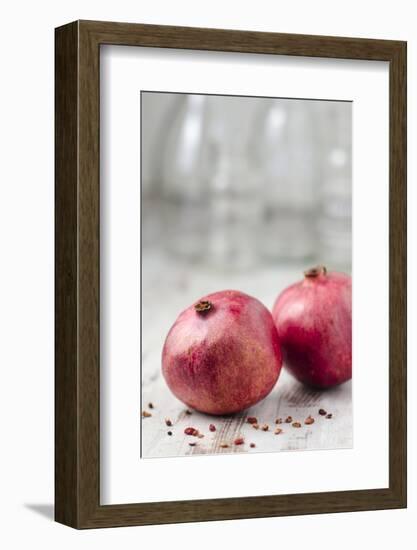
{"type": "Point", "coordinates": [322, 412]}
{"type": "Point", "coordinates": [329, 415]}
{"type": "Point", "coordinates": [265, 427]}
{"type": "Point", "coordinates": [146, 414]}
{"type": "Point", "coordinates": [288, 419]}
{"type": "Point", "coordinates": [168, 422]}
{"type": "Point", "coordinates": [309, 420]}
{"type": "Point", "coordinates": [192, 444]}
{"type": "Point", "coordinates": [224, 445]}
{"type": "Point", "coordinates": [278, 431]}
{"type": "Point", "coordinates": [252, 445]}
{"type": "Point", "coordinates": [255, 426]}
{"type": "Point", "coordinates": [190, 431]}
{"type": "Point", "coordinates": [278, 421]}
{"type": "Point", "coordinates": [169, 433]}
{"type": "Point", "coordinates": [150, 405]}
{"type": "Point", "coordinates": [252, 420]}
{"type": "Point", "coordinates": [212, 428]}
{"type": "Point", "coordinates": [239, 441]}
{"type": "Point", "coordinates": [188, 412]}
{"type": "Point", "coordinates": [296, 425]}
{"type": "Point", "coordinates": [200, 436]}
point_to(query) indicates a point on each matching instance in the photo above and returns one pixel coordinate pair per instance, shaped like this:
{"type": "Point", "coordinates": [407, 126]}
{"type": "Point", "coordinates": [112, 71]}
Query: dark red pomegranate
{"type": "Point", "coordinates": [314, 322]}
{"type": "Point", "coordinates": [222, 354]}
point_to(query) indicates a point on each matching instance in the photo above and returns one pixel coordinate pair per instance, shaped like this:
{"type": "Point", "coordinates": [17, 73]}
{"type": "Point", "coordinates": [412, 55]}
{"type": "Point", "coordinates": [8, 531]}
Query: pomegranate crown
{"type": "Point", "coordinates": [315, 271]}
{"type": "Point", "coordinates": [203, 306]}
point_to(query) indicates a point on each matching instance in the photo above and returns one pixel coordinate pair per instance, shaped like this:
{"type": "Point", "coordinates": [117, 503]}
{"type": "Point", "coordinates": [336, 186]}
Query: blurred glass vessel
{"type": "Point", "coordinates": [182, 174]}
{"type": "Point", "coordinates": [334, 220]}
{"type": "Point", "coordinates": [283, 152]}
{"type": "Point", "coordinates": [234, 201]}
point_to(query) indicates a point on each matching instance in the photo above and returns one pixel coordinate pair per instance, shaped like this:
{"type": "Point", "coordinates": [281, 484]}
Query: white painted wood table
{"type": "Point", "coordinates": [165, 294]}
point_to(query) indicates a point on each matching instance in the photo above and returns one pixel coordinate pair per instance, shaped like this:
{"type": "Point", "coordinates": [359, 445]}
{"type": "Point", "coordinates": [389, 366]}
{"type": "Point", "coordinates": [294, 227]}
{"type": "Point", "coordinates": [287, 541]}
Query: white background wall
{"type": "Point", "coordinates": [26, 275]}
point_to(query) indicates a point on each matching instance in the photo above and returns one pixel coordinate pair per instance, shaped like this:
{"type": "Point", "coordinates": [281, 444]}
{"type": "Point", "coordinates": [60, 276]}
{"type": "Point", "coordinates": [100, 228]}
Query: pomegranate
{"type": "Point", "coordinates": [314, 322]}
{"type": "Point", "coordinates": [222, 354]}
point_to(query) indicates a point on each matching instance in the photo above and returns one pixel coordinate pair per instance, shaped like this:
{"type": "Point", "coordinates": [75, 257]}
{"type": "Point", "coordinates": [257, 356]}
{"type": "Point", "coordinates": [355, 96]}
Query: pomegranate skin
{"type": "Point", "coordinates": [222, 354]}
{"type": "Point", "coordinates": [314, 322]}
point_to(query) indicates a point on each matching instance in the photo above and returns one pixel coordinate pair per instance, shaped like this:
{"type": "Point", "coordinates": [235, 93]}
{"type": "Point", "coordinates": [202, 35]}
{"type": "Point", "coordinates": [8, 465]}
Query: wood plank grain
{"type": "Point", "coordinates": [289, 398]}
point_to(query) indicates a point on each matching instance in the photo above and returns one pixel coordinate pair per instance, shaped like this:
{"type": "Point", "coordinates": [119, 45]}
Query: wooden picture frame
{"type": "Point", "coordinates": [77, 374]}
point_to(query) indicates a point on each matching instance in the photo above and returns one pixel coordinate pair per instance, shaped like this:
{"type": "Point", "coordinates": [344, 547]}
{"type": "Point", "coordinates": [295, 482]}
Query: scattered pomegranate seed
{"type": "Point", "coordinates": [309, 420]}
{"type": "Point", "coordinates": [146, 414]}
{"type": "Point", "coordinates": [252, 420]}
{"type": "Point", "coordinates": [239, 441]}
{"type": "Point", "coordinates": [278, 431]}
{"type": "Point", "coordinates": [212, 428]}
{"type": "Point", "coordinates": [288, 419]}
{"type": "Point", "coordinates": [296, 425]}
{"type": "Point", "coordinates": [190, 431]}
{"type": "Point", "coordinates": [322, 412]}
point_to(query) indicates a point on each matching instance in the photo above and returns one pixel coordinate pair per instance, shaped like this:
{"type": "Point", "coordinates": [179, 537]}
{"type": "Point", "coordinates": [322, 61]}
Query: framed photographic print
{"type": "Point", "coordinates": [230, 274]}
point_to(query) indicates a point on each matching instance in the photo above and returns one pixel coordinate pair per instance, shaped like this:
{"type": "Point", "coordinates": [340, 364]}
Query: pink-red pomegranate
{"type": "Point", "coordinates": [314, 322]}
{"type": "Point", "coordinates": [222, 354]}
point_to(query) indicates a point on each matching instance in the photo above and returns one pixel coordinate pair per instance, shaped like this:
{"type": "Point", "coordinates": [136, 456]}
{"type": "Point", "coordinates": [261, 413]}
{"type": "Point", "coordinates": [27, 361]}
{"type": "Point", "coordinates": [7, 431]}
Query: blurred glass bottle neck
{"type": "Point", "coordinates": [183, 156]}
